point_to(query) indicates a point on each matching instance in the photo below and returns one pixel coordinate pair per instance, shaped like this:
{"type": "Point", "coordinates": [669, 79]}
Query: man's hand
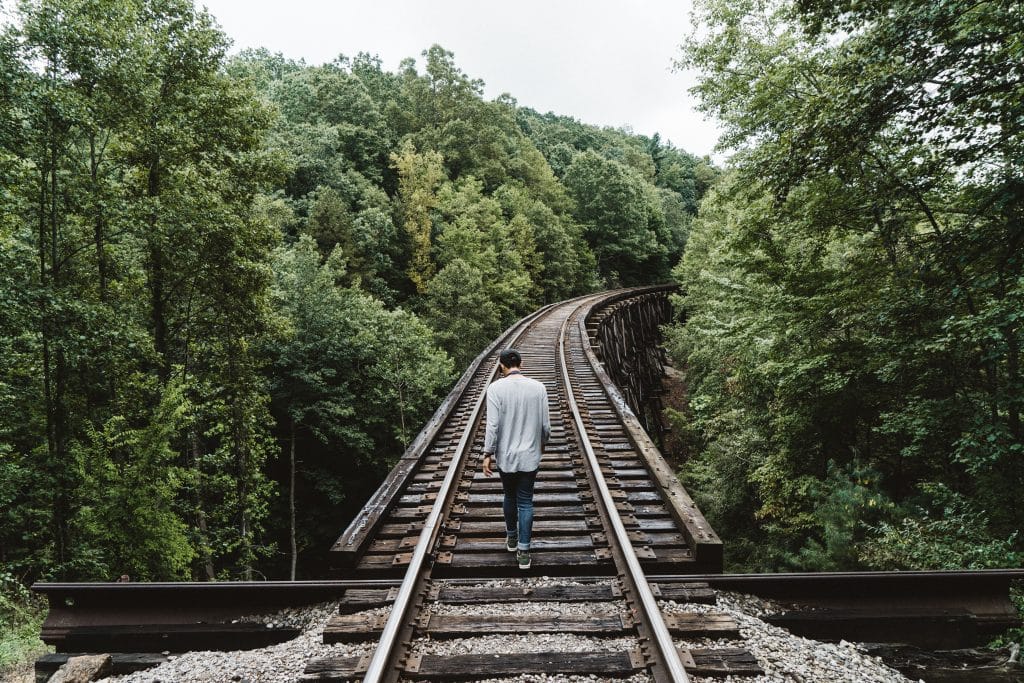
{"type": "Point", "coordinates": [487, 466]}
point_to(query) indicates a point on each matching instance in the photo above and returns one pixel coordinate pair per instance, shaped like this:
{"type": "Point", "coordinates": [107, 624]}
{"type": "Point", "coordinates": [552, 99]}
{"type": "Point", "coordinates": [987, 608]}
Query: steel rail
{"type": "Point", "coordinates": [652, 613]}
{"type": "Point", "coordinates": [428, 536]}
{"type": "Point", "coordinates": [383, 497]}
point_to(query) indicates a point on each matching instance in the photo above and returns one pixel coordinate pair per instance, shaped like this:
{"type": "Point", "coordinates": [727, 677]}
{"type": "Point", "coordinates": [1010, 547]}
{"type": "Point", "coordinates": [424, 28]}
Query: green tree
{"type": "Point", "coordinates": [134, 527]}
{"type": "Point", "coordinates": [148, 259]}
{"type": "Point", "coordinates": [942, 533]}
{"type": "Point", "coordinates": [564, 264]}
{"type": "Point", "coordinates": [350, 381]}
{"type": "Point", "coordinates": [620, 214]}
{"type": "Point", "coordinates": [419, 177]}
{"type": "Point", "coordinates": [858, 279]}
{"type": "Point", "coordinates": [459, 286]}
{"type": "Point", "coordinates": [488, 253]}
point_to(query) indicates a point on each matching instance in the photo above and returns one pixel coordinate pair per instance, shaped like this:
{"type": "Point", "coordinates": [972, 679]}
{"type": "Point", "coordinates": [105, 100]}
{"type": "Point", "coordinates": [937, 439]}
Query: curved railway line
{"type": "Point", "coordinates": [616, 538]}
{"type": "Point", "coordinates": [601, 511]}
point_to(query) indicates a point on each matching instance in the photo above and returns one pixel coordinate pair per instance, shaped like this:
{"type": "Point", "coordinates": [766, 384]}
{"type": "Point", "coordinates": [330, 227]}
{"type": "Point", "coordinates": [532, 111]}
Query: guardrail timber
{"type": "Point", "coordinates": [707, 546]}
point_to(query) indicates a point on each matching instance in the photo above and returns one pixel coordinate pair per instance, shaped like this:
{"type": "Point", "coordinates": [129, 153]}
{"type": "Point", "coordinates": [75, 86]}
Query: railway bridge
{"type": "Point", "coordinates": [572, 347]}
{"type": "Point", "coordinates": [621, 554]}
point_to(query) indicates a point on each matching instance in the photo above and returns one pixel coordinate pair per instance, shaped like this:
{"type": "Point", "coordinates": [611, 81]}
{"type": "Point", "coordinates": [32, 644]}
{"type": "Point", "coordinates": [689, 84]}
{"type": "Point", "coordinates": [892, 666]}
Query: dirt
{"type": "Point", "coordinates": [673, 386]}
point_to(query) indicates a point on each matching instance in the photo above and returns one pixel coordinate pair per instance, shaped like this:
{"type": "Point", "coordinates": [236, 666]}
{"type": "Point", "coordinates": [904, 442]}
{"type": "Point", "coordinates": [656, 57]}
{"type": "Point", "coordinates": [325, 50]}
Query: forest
{"type": "Point", "coordinates": [232, 287]}
{"type": "Point", "coordinates": [854, 285]}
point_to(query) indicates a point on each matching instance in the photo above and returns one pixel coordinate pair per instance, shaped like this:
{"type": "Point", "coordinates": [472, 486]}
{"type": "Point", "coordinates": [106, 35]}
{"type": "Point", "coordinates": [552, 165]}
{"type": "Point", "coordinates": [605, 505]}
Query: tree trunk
{"type": "Point", "coordinates": [239, 433]}
{"type": "Point", "coordinates": [204, 543]}
{"type": "Point", "coordinates": [44, 331]}
{"type": "Point", "coordinates": [291, 501]}
{"type": "Point", "coordinates": [157, 296]}
{"type": "Point", "coordinates": [1013, 381]}
{"type": "Point", "coordinates": [401, 416]}
{"type": "Point", "coordinates": [63, 466]}
{"type": "Point", "coordinates": [99, 222]}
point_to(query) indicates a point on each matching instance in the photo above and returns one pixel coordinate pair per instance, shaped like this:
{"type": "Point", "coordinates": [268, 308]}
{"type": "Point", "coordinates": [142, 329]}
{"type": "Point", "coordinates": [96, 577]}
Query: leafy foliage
{"type": "Point", "coordinates": [21, 614]}
{"type": "Point", "coordinates": [853, 287]}
{"type": "Point", "coordinates": [943, 533]}
{"type": "Point", "coordinates": [232, 289]}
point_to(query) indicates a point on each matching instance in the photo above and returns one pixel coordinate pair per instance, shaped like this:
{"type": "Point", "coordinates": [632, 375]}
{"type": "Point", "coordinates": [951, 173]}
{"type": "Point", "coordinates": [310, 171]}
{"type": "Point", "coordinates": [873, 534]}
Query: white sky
{"type": "Point", "coordinates": [604, 62]}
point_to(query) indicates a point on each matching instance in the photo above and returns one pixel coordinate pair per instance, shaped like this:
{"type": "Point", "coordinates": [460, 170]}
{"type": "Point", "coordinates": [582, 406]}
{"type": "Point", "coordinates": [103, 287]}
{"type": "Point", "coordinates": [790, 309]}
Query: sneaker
{"type": "Point", "coordinates": [523, 557]}
{"type": "Point", "coordinates": [512, 542]}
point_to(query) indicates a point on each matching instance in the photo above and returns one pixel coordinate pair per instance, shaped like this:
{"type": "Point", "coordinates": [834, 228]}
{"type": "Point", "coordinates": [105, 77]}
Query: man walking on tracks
{"type": "Point", "coordinates": [518, 427]}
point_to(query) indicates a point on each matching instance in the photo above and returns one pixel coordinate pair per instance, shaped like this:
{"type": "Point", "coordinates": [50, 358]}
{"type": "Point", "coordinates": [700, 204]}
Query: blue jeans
{"type": "Point", "coordinates": [518, 504]}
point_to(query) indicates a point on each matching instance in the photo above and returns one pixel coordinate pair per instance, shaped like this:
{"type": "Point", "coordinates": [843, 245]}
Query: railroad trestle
{"type": "Point", "coordinates": [626, 337]}
{"type": "Point", "coordinates": [620, 553]}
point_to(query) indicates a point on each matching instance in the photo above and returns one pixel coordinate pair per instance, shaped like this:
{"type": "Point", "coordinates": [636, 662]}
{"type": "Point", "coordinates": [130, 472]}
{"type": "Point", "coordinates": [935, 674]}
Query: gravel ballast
{"type": "Point", "coordinates": [281, 663]}
{"type": "Point", "coordinates": [784, 657]}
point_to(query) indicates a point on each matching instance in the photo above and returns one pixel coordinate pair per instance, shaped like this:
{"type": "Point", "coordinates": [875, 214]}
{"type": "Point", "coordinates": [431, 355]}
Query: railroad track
{"type": "Point", "coordinates": [608, 511]}
{"type": "Point", "coordinates": [629, 564]}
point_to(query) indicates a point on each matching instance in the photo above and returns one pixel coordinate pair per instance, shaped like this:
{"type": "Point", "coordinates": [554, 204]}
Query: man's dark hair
{"type": "Point", "coordinates": [510, 358]}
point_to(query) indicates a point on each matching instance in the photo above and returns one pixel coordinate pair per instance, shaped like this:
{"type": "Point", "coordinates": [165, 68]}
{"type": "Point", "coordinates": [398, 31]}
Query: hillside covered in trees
{"type": "Point", "coordinates": [855, 286]}
{"type": "Point", "coordinates": [233, 288]}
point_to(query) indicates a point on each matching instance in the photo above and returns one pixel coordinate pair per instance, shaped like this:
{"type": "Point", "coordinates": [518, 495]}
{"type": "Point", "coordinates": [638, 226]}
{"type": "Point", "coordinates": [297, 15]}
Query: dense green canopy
{"type": "Point", "coordinates": [231, 290]}
{"type": "Point", "coordinates": [855, 286]}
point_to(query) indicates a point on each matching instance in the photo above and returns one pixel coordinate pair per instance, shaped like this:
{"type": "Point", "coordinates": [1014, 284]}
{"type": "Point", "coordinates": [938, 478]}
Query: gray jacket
{"type": "Point", "coordinates": [518, 423]}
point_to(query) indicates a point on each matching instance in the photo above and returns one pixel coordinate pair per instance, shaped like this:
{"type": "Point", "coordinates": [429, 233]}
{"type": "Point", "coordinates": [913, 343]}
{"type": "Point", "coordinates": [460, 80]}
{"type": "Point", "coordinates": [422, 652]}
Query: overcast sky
{"type": "Point", "coordinates": [605, 62]}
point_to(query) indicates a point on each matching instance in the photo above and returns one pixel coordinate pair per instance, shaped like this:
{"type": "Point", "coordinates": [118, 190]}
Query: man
{"type": "Point", "coordinates": [518, 427]}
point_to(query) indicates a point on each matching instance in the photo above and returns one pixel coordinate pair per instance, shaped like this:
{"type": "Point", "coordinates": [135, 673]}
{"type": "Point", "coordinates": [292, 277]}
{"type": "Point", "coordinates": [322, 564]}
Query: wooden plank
{"type": "Point", "coordinates": [335, 668]}
{"type": "Point", "coordinates": [640, 497]}
{"type": "Point", "coordinates": [400, 529]}
{"type": "Point", "coordinates": [726, 661]}
{"type": "Point", "coordinates": [652, 524]}
{"type": "Point", "coordinates": [547, 553]}
{"type": "Point", "coordinates": [380, 566]}
{"type": "Point", "coordinates": [123, 662]}
{"type": "Point", "coordinates": [636, 485]}
{"type": "Point", "coordinates": [387, 545]}
{"type": "Point", "coordinates": [403, 513]}
{"type": "Point", "coordinates": [539, 542]}
{"type": "Point", "coordinates": [367, 598]}
{"type": "Point", "coordinates": [466, 595]}
{"type": "Point", "coordinates": [556, 486]}
{"type": "Point", "coordinates": [630, 472]}
{"type": "Point", "coordinates": [618, 461]}
{"type": "Point", "coordinates": [569, 563]}
{"type": "Point", "coordinates": [665, 558]}
{"type": "Point", "coordinates": [539, 559]}
{"type": "Point", "coordinates": [712, 625]}
{"type": "Point", "coordinates": [544, 475]}
{"type": "Point", "coordinates": [461, 667]}
{"type": "Point", "coordinates": [684, 592]}
{"type": "Point", "coordinates": [648, 510]}
{"type": "Point", "coordinates": [540, 498]}
{"type": "Point", "coordinates": [353, 628]}
{"type": "Point", "coordinates": [452, 626]}
{"type": "Point", "coordinates": [551, 525]}
{"type": "Point", "coordinates": [666, 540]}
{"type": "Point", "coordinates": [347, 628]}
{"type": "Point", "coordinates": [491, 513]}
